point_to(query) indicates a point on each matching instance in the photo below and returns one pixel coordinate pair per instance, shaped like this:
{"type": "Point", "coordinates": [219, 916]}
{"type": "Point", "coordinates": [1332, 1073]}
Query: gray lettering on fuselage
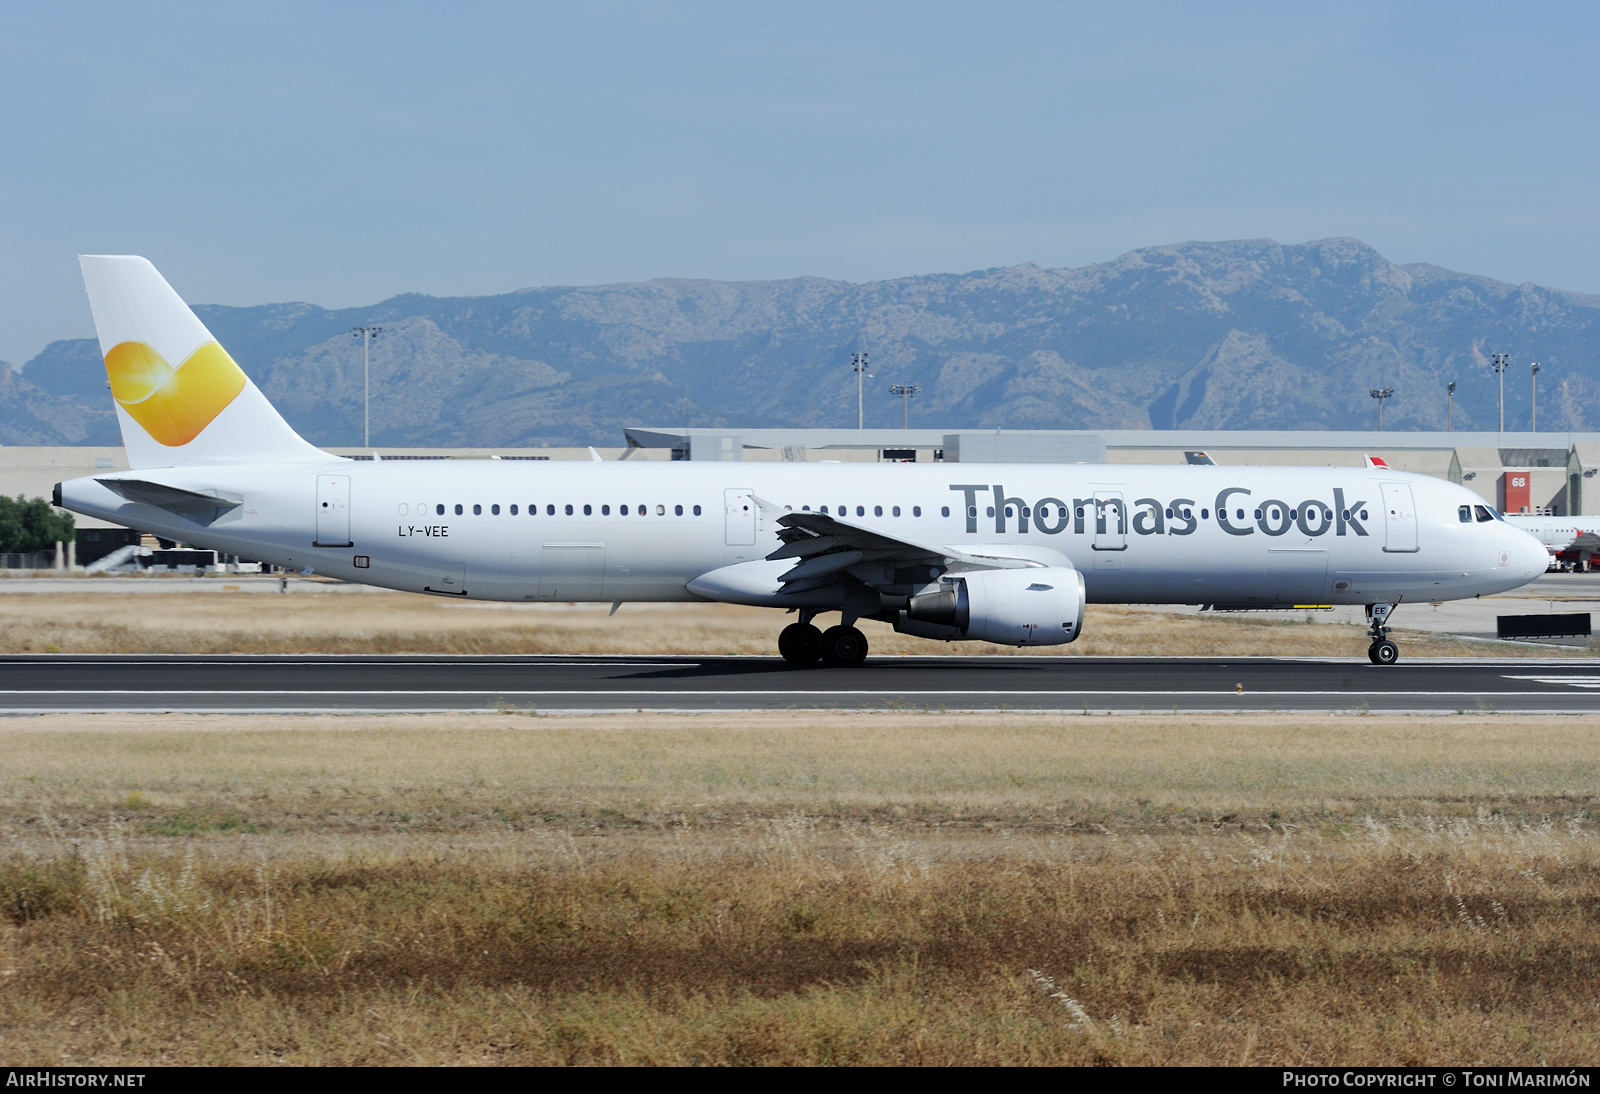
{"type": "Point", "coordinates": [1041, 516]}
{"type": "Point", "coordinates": [1183, 524]}
{"type": "Point", "coordinates": [969, 505]}
{"type": "Point", "coordinates": [1347, 513]}
{"type": "Point", "coordinates": [1311, 508]}
{"type": "Point", "coordinates": [1274, 510]}
{"type": "Point", "coordinates": [1150, 521]}
{"type": "Point", "coordinates": [1222, 512]}
{"type": "Point", "coordinates": [1313, 518]}
{"type": "Point", "coordinates": [1077, 514]}
{"type": "Point", "coordinates": [1001, 512]}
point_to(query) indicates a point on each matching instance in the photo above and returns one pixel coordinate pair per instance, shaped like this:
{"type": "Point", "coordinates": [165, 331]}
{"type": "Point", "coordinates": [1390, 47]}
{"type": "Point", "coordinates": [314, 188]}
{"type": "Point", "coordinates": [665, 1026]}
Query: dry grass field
{"type": "Point", "coordinates": [787, 888]}
{"type": "Point", "coordinates": [225, 622]}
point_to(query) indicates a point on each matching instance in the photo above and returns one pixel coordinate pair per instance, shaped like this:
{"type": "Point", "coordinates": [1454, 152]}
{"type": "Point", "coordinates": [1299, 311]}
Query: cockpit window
{"type": "Point", "coordinates": [1484, 514]}
{"type": "Point", "coordinates": [1465, 514]}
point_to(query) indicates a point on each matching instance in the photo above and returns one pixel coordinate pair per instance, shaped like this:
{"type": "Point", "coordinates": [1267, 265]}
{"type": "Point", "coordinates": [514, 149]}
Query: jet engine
{"type": "Point", "coordinates": [1040, 606]}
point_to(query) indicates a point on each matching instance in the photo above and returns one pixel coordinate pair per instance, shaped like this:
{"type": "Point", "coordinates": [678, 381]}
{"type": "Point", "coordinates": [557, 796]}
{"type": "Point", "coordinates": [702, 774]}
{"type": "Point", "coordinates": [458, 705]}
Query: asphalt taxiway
{"type": "Point", "coordinates": [40, 683]}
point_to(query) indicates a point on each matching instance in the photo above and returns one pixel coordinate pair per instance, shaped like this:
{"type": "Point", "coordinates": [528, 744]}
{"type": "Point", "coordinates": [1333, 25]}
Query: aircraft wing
{"type": "Point", "coordinates": [195, 506]}
{"type": "Point", "coordinates": [828, 550]}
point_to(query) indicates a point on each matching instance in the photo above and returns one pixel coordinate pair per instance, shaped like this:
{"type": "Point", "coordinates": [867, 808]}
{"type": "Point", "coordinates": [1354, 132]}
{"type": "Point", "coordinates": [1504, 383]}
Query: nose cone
{"type": "Point", "coordinates": [1529, 557]}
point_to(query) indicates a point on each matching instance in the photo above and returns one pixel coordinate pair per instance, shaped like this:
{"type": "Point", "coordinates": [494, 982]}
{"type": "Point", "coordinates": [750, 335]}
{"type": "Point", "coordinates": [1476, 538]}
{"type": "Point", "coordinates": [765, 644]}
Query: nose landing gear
{"type": "Point", "coordinates": [1382, 651]}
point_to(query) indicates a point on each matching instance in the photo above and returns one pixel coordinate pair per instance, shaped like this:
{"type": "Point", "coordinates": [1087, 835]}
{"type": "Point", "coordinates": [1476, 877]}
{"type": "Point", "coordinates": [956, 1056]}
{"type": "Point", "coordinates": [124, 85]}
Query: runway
{"type": "Point", "coordinates": [49, 683]}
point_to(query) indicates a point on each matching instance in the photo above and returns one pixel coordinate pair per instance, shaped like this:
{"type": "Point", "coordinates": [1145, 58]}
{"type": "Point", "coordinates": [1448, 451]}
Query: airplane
{"type": "Point", "coordinates": [1007, 554]}
{"type": "Point", "coordinates": [1579, 536]}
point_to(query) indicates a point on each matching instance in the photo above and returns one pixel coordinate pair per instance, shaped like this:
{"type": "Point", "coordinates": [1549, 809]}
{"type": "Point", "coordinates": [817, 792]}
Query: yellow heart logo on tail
{"type": "Point", "coordinates": [173, 404]}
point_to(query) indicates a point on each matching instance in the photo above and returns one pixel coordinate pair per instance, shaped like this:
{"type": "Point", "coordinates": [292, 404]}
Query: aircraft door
{"type": "Point", "coordinates": [1110, 521]}
{"type": "Point", "coordinates": [572, 571]}
{"type": "Point", "coordinates": [1295, 576]}
{"type": "Point", "coordinates": [739, 517]}
{"type": "Point", "coordinates": [333, 511]}
{"type": "Point", "coordinates": [1399, 519]}
{"type": "Point", "coordinates": [449, 578]}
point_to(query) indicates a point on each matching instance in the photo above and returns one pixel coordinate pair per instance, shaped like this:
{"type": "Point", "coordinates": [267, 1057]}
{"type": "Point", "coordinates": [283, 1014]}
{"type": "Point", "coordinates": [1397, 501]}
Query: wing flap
{"type": "Point", "coordinates": [833, 551]}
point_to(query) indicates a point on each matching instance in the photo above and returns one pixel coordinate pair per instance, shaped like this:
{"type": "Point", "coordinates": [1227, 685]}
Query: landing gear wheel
{"type": "Point", "coordinates": [800, 644]}
{"type": "Point", "coordinates": [843, 647]}
{"type": "Point", "coordinates": [1383, 652]}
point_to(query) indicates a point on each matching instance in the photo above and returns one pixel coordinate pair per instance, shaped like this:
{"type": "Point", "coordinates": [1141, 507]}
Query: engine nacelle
{"type": "Point", "coordinates": [1042, 606]}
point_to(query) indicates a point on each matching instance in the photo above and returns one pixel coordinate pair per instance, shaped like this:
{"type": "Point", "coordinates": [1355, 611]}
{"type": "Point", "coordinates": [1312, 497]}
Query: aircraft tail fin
{"type": "Point", "coordinates": [180, 398]}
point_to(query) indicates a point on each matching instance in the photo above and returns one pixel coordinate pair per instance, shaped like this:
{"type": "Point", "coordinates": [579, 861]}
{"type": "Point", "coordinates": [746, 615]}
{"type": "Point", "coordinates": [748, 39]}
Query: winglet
{"type": "Point", "coordinates": [595, 457]}
{"type": "Point", "coordinates": [1377, 461]}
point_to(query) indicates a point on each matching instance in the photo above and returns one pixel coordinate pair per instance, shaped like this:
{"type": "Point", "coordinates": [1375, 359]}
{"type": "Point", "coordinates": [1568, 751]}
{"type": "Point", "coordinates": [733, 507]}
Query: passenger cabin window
{"type": "Point", "coordinates": [588, 511]}
{"type": "Point", "coordinates": [661, 510]}
{"type": "Point", "coordinates": [439, 510]}
{"type": "Point", "coordinates": [550, 510]}
{"type": "Point", "coordinates": [877, 510]}
{"type": "Point", "coordinates": [916, 510]}
{"type": "Point", "coordinates": [513, 510]}
{"type": "Point", "coordinates": [895, 510]}
{"type": "Point", "coordinates": [458, 510]}
{"type": "Point", "coordinates": [697, 510]}
{"type": "Point", "coordinates": [605, 510]}
{"type": "Point", "coordinates": [677, 510]}
{"type": "Point", "coordinates": [944, 510]}
{"type": "Point", "coordinates": [477, 510]}
{"type": "Point", "coordinates": [569, 510]}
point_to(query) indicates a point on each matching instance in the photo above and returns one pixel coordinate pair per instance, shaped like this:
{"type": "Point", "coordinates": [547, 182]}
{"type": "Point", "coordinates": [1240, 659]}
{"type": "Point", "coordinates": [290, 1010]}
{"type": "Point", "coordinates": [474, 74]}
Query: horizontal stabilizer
{"type": "Point", "coordinates": [201, 508]}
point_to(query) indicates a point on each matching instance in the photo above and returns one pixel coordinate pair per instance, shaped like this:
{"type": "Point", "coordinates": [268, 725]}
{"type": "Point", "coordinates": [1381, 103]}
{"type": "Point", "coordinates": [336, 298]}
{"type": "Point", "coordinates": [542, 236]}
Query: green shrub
{"type": "Point", "coordinates": [32, 524]}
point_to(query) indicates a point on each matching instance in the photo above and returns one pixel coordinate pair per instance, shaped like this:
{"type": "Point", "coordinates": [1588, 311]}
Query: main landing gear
{"type": "Point", "coordinates": [1382, 651]}
{"type": "Point", "coordinates": [840, 647]}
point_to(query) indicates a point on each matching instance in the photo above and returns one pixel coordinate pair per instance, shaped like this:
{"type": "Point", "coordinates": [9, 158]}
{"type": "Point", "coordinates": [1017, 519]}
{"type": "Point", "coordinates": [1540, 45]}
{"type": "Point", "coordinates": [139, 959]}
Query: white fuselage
{"type": "Point", "coordinates": [625, 531]}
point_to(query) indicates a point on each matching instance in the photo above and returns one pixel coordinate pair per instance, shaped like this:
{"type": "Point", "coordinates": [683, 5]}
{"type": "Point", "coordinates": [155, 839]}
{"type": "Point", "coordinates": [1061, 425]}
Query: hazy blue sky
{"type": "Point", "coordinates": [339, 153]}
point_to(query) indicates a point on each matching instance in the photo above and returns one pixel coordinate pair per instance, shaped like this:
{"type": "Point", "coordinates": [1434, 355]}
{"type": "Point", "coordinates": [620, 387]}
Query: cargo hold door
{"type": "Point", "coordinates": [572, 571]}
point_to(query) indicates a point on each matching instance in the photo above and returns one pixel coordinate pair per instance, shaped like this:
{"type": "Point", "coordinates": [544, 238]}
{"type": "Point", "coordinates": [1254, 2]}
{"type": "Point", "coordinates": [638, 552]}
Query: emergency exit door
{"type": "Point", "coordinates": [333, 511]}
{"type": "Point", "coordinates": [739, 517]}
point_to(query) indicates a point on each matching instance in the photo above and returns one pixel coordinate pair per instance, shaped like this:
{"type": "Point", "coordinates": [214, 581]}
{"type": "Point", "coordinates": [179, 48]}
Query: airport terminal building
{"type": "Point", "coordinates": [1539, 473]}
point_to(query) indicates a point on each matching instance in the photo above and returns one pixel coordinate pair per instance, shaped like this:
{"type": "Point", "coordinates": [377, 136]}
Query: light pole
{"type": "Point", "coordinates": [858, 362]}
{"type": "Point", "coordinates": [1533, 427]}
{"type": "Point", "coordinates": [1449, 405]}
{"type": "Point", "coordinates": [1380, 394]}
{"type": "Point", "coordinates": [366, 334]}
{"type": "Point", "coordinates": [1500, 362]}
{"type": "Point", "coordinates": [905, 391]}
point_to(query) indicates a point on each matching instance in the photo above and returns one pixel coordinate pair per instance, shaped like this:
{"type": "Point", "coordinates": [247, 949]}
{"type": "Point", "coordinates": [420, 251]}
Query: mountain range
{"type": "Point", "coordinates": [1248, 334]}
